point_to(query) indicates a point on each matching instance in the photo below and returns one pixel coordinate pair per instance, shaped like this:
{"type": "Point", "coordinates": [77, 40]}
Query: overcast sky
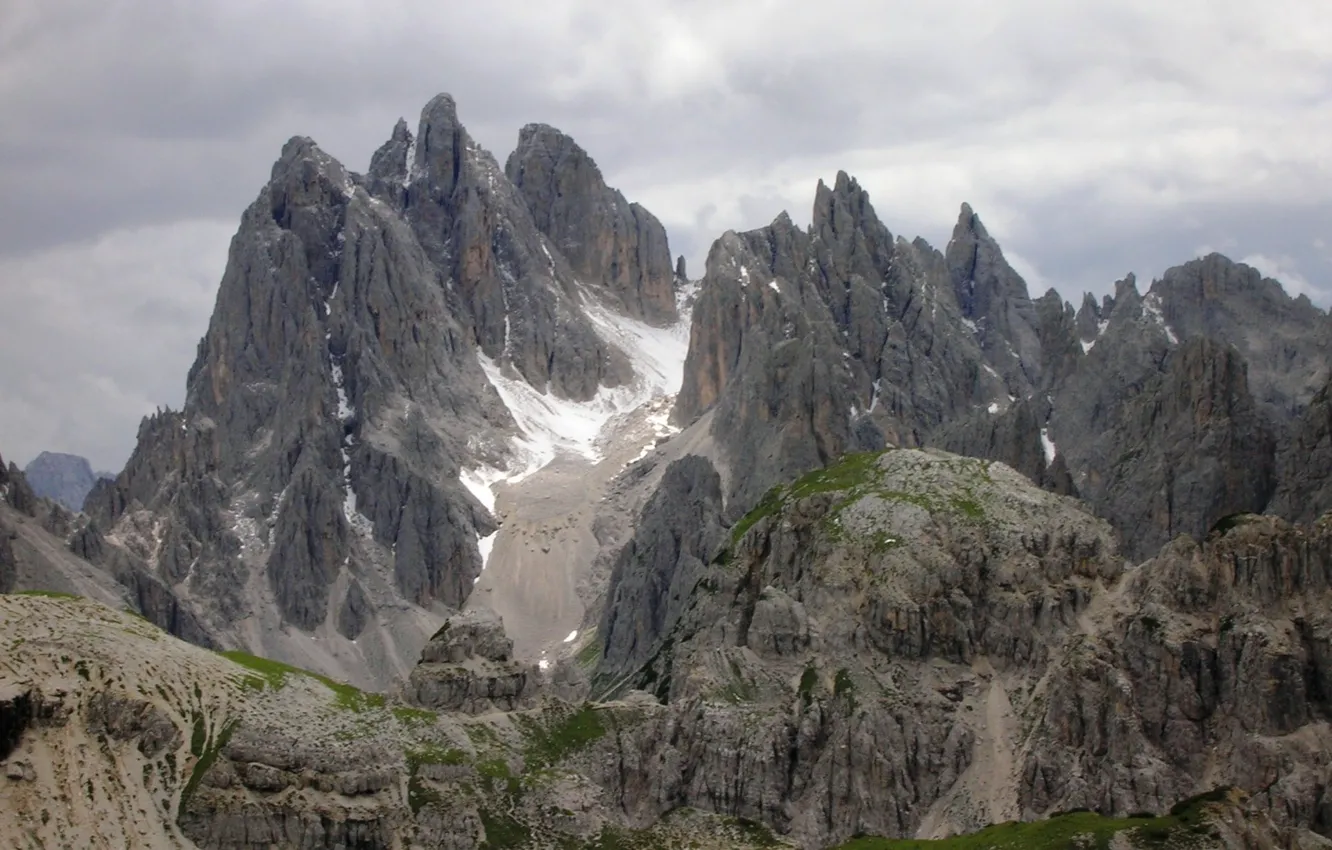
{"type": "Point", "coordinates": [1093, 137]}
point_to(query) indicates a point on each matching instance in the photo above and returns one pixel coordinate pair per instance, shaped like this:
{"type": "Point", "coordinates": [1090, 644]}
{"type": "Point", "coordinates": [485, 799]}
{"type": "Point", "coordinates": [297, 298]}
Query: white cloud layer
{"type": "Point", "coordinates": [1094, 138]}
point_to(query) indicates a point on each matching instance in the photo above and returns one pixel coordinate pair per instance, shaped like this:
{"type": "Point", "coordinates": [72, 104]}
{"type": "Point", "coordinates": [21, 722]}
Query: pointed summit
{"type": "Point", "coordinates": [992, 294]}
{"type": "Point", "coordinates": [844, 220]}
{"type": "Point", "coordinates": [608, 241]}
{"type": "Point", "coordinates": [392, 166]}
{"type": "Point", "coordinates": [441, 144]}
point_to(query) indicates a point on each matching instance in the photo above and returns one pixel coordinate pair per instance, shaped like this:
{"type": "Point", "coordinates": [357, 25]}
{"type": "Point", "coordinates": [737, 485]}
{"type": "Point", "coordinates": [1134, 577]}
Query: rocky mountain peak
{"type": "Point", "coordinates": [373, 342]}
{"type": "Point", "coordinates": [392, 165]}
{"type": "Point", "coordinates": [608, 241]}
{"type": "Point", "coordinates": [990, 293]}
{"type": "Point", "coordinates": [443, 146]}
{"type": "Point", "coordinates": [1127, 286]}
{"type": "Point", "coordinates": [1217, 297]}
{"type": "Point", "coordinates": [845, 222]}
{"type": "Point", "coordinates": [63, 478]}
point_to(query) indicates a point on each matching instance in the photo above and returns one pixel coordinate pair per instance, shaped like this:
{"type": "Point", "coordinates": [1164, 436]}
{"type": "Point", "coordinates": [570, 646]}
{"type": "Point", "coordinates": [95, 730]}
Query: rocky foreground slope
{"type": "Point", "coordinates": [906, 643]}
{"type": "Point", "coordinates": [914, 643]}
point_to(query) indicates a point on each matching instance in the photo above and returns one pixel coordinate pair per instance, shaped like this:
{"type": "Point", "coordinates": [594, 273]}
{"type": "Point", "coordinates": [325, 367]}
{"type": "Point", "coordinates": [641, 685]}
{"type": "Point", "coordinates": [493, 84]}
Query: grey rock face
{"type": "Point", "coordinates": [809, 345]}
{"type": "Point", "coordinates": [339, 392]}
{"type": "Point", "coordinates": [1304, 491]}
{"type": "Point", "coordinates": [607, 240]}
{"type": "Point", "coordinates": [1287, 342]}
{"type": "Point", "coordinates": [354, 614]}
{"type": "Point", "coordinates": [8, 562]}
{"type": "Point", "coordinates": [804, 717]}
{"type": "Point", "coordinates": [950, 351]}
{"type": "Point", "coordinates": [518, 296]}
{"type": "Point", "coordinates": [62, 478]}
{"type": "Point", "coordinates": [826, 633]}
{"type": "Point", "coordinates": [125, 719]}
{"type": "Point", "coordinates": [887, 628]}
{"type": "Point", "coordinates": [43, 547]}
{"type": "Point", "coordinates": [677, 534]}
{"type": "Point", "coordinates": [17, 492]}
{"type": "Point", "coordinates": [1012, 437]}
{"type": "Point", "coordinates": [328, 367]}
{"type": "Point", "coordinates": [1202, 673]}
{"type": "Point", "coordinates": [995, 297]}
{"type": "Point", "coordinates": [1162, 437]}
{"type": "Point", "coordinates": [478, 633]}
{"type": "Point", "coordinates": [468, 666]}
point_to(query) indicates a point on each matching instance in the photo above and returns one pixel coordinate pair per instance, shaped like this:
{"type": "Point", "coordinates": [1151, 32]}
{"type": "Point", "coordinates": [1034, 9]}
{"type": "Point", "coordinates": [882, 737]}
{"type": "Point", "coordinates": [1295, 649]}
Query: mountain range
{"type": "Point", "coordinates": [63, 478]}
{"type": "Point", "coordinates": [848, 536]}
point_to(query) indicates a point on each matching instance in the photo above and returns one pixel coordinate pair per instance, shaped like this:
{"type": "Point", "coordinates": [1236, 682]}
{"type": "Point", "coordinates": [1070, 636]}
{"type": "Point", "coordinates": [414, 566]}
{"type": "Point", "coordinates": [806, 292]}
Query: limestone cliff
{"type": "Point", "coordinates": [317, 497]}
{"type": "Point", "coordinates": [914, 644]}
{"type": "Point", "coordinates": [607, 240]}
{"type": "Point", "coordinates": [114, 734]}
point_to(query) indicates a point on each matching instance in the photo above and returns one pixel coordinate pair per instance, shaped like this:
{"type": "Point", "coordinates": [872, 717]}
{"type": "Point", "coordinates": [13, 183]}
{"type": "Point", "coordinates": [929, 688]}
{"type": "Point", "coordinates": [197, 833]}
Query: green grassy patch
{"type": "Point", "coordinates": [808, 681]}
{"type": "Point", "coordinates": [198, 736]}
{"type": "Point", "coordinates": [496, 777]}
{"type": "Point", "coordinates": [415, 717]}
{"type": "Point", "coordinates": [968, 507]}
{"type": "Point", "coordinates": [48, 594]}
{"type": "Point", "coordinates": [549, 744]}
{"type": "Point", "coordinates": [738, 690]}
{"type": "Point", "coordinates": [754, 833]}
{"type": "Point", "coordinates": [769, 505]}
{"type": "Point", "coordinates": [1186, 821]}
{"type": "Point", "coordinates": [208, 753]}
{"type": "Point", "coordinates": [433, 754]}
{"type": "Point", "coordinates": [842, 684]}
{"type": "Point", "coordinates": [274, 675]}
{"type": "Point", "coordinates": [856, 474]}
{"type": "Point", "coordinates": [502, 830]}
{"type": "Point", "coordinates": [419, 794]}
{"type": "Point", "coordinates": [617, 838]}
{"type": "Point", "coordinates": [590, 654]}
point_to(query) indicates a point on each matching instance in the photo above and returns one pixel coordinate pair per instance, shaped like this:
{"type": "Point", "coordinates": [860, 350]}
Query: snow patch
{"type": "Point", "coordinates": [480, 482]}
{"type": "Point", "coordinates": [485, 545]}
{"type": "Point", "coordinates": [772, 284]}
{"type": "Point", "coordinates": [1100, 329]}
{"type": "Point", "coordinates": [1151, 309]}
{"type": "Point", "coordinates": [659, 421]}
{"type": "Point", "coordinates": [971, 325]}
{"type": "Point", "coordinates": [744, 276]}
{"type": "Point", "coordinates": [552, 425]}
{"type": "Point", "coordinates": [874, 396]}
{"type": "Point", "coordinates": [994, 407]}
{"type": "Point", "coordinates": [359, 523]}
{"type": "Point", "coordinates": [573, 635]}
{"type": "Point", "coordinates": [1048, 445]}
{"type": "Point", "coordinates": [409, 164]}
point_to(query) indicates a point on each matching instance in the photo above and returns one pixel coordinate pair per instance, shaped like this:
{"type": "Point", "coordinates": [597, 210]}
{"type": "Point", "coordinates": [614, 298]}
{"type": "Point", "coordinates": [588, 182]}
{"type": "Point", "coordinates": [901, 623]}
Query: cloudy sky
{"type": "Point", "coordinates": [1094, 138]}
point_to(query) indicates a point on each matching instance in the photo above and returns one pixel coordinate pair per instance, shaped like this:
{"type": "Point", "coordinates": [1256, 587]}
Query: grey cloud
{"type": "Point", "coordinates": [1093, 138]}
